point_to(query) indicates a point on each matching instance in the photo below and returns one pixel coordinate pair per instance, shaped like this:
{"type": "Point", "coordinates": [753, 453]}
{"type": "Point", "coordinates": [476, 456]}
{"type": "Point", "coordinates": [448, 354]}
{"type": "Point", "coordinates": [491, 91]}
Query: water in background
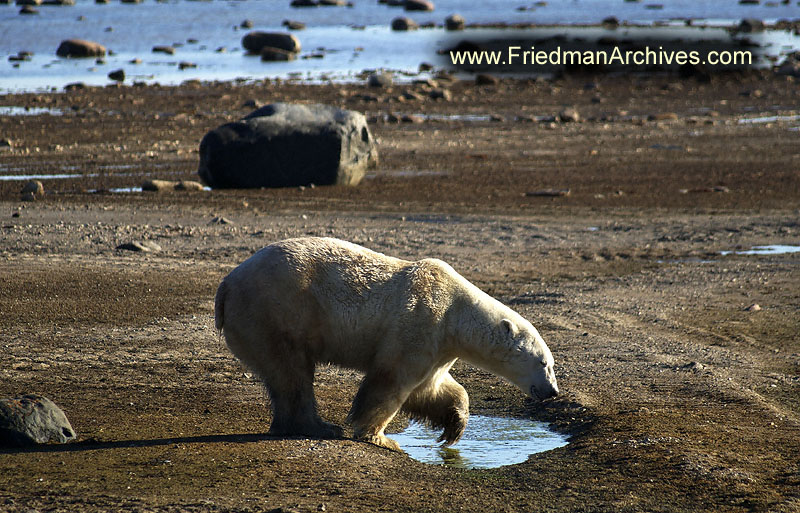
{"type": "Point", "coordinates": [339, 42]}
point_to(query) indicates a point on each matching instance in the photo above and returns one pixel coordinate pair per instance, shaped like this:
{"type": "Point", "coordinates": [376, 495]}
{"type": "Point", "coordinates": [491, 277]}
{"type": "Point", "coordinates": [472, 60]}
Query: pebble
{"type": "Point", "coordinates": [140, 247]}
{"type": "Point", "coordinates": [753, 308]}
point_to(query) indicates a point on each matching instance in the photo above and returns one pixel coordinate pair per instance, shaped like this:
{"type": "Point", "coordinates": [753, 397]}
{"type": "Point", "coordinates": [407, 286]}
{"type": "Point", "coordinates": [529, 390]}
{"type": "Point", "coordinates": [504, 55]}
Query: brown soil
{"type": "Point", "coordinates": [676, 398]}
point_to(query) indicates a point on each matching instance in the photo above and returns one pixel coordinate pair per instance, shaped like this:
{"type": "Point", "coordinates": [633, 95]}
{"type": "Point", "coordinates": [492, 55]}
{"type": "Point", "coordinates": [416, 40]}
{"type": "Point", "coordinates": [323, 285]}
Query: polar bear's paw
{"type": "Point", "coordinates": [381, 441]}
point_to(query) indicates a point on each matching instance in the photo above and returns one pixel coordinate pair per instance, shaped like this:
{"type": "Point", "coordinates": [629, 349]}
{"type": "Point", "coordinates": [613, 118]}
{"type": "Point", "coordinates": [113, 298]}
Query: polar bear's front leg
{"type": "Point", "coordinates": [378, 400]}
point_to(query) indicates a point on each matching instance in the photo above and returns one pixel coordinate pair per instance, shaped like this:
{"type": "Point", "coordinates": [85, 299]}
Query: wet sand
{"type": "Point", "coordinates": [675, 396]}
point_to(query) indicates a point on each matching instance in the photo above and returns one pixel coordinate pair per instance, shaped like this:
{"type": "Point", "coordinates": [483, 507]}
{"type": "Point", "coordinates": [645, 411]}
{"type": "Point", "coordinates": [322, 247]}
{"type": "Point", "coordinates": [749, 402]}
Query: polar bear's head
{"type": "Point", "coordinates": [532, 367]}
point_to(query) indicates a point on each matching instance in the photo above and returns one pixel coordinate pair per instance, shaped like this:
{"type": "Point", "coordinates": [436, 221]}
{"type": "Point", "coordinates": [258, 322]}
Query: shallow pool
{"type": "Point", "coordinates": [772, 249]}
{"type": "Point", "coordinates": [488, 442]}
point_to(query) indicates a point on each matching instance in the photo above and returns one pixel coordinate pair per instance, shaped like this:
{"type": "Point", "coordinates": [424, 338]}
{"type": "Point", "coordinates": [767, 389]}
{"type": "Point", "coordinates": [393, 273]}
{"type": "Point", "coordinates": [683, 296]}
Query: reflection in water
{"type": "Point", "coordinates": [488, 442]}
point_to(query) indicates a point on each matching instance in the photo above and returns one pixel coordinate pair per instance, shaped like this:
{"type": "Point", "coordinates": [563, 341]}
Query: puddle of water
{"type": "Point", "coordinates": [771, 249]}
{"type": "Point", "coordinates": [768, 119]}
{"type": "Point", "coordinates": [28, 111]}
{"type": "Point", "coordinates": [12, 178]}
{"type": "Point", "coordinates": [488, 442]}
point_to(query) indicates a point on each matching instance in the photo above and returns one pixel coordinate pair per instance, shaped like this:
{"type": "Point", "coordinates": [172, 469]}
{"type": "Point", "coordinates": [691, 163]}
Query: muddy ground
{"type": "Point", "coordinates": [676, 397]}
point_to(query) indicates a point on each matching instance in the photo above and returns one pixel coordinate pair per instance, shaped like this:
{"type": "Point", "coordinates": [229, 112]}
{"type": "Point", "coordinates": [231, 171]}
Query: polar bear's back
{"type": "Point", "coordinates": [330, 298]}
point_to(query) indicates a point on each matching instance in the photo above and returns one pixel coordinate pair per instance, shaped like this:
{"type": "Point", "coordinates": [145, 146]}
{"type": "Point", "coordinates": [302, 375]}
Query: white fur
{"type": "Point", "coordinates": [305, 301]}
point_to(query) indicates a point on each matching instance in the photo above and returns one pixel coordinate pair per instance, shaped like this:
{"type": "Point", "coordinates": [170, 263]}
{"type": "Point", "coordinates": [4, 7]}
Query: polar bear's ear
{"type": "Point", "coordinates": [509, 327]}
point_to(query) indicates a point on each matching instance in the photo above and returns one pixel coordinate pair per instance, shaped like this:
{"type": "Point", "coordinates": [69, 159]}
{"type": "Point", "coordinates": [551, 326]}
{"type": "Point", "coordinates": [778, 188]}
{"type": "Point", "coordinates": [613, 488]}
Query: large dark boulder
{"type": "Point", "coordinates": [80, 48]}
{"type": "Point", "coordinates": [285, 145]}
{"type": "Point", "coordinates": [32, 419]}
{"type": "Point", "coordinates": [254, 42]}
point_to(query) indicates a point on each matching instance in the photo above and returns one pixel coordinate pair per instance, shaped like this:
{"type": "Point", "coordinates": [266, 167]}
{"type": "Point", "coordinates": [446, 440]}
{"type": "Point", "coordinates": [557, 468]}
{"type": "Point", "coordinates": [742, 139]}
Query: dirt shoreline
{"type": "Point", "coordinates": [675, 396]}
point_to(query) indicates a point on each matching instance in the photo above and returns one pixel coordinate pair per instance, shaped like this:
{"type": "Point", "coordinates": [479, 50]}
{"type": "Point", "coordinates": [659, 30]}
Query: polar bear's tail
{"type": "Point", "coordinates": [219, 306]}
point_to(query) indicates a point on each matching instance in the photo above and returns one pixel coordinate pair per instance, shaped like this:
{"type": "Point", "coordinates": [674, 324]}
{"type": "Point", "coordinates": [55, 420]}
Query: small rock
{"type": "Point", "coordinates": [247, 24]}
{"type": "Point", "coordinates": [27, 9]}
{"type": "Point", "coordinates": [220, 220]}
{"type": "Point", "coordinates": [294, 25]}
{"type": "Point", "coordinates": [188, 185]}
{"type": "Point", "coordinates": [611, 22]}
{"type": "Point", "coordinates": [425, 66]}
{"type": "Point", "coordinates": [441, 94]}
{"type": "Point", "coordinates": [269, 54]}
{"type": "Point", "coordinates": [380, 79]}
{"type": "Point", "coordinates": [486, 79]}
{"type": "Point", "coordinates": [454, 22]}
{"type": "Point", "coordinates": [169, 50]}
{"type": "Point", "coordinates": [412, 118]}
{"type": "Point", "coordinates": [186, 65]}
{"type": "Point", "coordinates": [549, 193]}
{"type": "Point", "coordinates": [158, 185]}
{"type": "Point", "coordinates": [28, 196]}
{"type": "Point", "coordinates": [140, 247]}
{"type": "Point", "coordinates": [34, 187]}
{"type": "Point", "coordinates": [304, 3]}
{"type": "Point", "coordinates": [662, 116]}
{"type": "Point", "coordinates": [569, 115]}
{"type": "Point", "coordinates": [117, 75]}
{"type": "Point", "coordinates": [753, 308]}
{"type": "Point", "coordinates": [32, 419]}
{"type": "Point", "coordinates": [751, 25]}
{"type": "Point", "coordinates": [402, 23]}
{"type": "Point", "coordinates": [418, 5]}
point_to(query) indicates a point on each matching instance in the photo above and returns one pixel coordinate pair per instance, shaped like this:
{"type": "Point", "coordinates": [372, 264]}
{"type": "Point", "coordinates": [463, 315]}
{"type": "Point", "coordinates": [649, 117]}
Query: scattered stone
{"type": "Point", "coordinates": [75, 86]}
{"type": "Point", "coordinates": [402, 23]}
{"type": "Point", "coordinates": [418, 5]}
{"type": "Point", "coordinates": [254, 42]}
{"type": "Point", "coordinates": [135, 61]}
{"type": "Point", "coordinates": [186, 65]}
{"type": "Point", "coordinates": [188, 185]}
{"type": "Point", "coordinates": [158, 185]}
{"type": "Point", "coordinates": [34, 187]}
{"type": "Point", "coordinates": [663, 116]}
{"type": "Point", "coordinates": [695, 366]}
{"type": "Point", "coordinates": [454, 22]}
{"type": "Point", "coordinates": [552, 193]}
{"type": "Point", "coordinates": [288, 145]}
{"type": "Point", "coordinates": [486, 79]}
{"type": "Point", "coordinates": [611, 22]}
{"type": "Point", "coordinates": [6, 144]}
{"type": "Point", "coordinates": [220, 220]}
{"type": "Point", "coordinates": [440, 94]}
{"type": "Point", "coordinates": [169, 50]}
{"type": "Point", "coordinates": [27, 9]}
{"type": "Point", "coordinates": [269, 54]}
{"type": "Point", "coordinates": [755, 307]}
{"type": "Point", "coordinates": [332, 3]}
{"type": "Point", "coordinates": [28, 2]}
{"type": "Point", "coordinates": [412, 96]}
{"type": "Point", "coordinates": [80, 48]}
{"type": "Point", "coordinates": [304, 3]}
{"type": "Point", "coordinates": [117, 75]}
{"type": "Point", "coordinates": [246, 24]}
{"type": "Point", "coordinates": [32, 419]}
{"type": "Point", "coordinates": [412, 118]}
{"type": "Point", "coordinates": [569, 115]}
{"type": "Point", "coordinates": [497, 118]}
{"type": "Point", "coordinates": [20, 57]}
{"type": "Point", "coordinates": [140, 247]}
{"type": "Point", "coordinates": [380, 79]}
{"type": "Point", "coordinates": [293, 25]}
{"type": "Point", "coordinates": [425, 66]}
{"type": "Point", "coordinates": [751, 25]}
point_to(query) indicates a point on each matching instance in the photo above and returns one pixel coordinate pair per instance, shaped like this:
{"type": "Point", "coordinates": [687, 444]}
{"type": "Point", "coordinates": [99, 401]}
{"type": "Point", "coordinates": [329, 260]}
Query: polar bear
{"type": "Point", "coordinates": [305, 301]}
